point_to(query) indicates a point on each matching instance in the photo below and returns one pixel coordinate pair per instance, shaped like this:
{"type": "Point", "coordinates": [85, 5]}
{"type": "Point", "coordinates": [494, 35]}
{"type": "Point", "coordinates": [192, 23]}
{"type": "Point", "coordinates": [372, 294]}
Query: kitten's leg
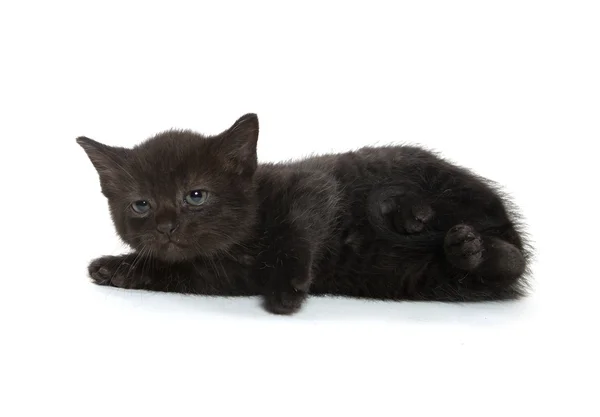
{"type": "Point", "coordinates": [295, 239]}
{"type": "Point", "coordinates": [290, 272]}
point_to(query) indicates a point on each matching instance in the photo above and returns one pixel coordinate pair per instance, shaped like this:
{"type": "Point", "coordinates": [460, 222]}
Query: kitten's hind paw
{"type": "Point", "coordinates": [463, 246]}
{"type": "Point", "coordinates": [394, 211]}
{"type": "Point", "coordinates": [412, 219]}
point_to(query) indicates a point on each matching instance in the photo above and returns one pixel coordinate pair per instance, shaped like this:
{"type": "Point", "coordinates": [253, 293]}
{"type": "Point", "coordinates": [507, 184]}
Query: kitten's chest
{"type": "Point", "coordinates": [230, 274]}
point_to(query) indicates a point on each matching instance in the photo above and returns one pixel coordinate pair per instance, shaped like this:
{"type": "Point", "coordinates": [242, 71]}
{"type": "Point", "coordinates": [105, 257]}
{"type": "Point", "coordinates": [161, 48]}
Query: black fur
{"type": "Point", "coordinates": [394, 222]}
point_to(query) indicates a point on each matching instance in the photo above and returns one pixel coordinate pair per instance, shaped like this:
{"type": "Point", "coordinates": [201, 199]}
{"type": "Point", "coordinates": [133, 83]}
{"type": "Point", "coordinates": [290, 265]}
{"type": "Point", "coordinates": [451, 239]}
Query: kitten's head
{"type": "Point", "coordinates": [180, 195]}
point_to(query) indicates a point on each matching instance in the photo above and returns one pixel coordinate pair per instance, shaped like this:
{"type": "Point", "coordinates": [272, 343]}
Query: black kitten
{"type": "Point", "coordinates": [390, 222]}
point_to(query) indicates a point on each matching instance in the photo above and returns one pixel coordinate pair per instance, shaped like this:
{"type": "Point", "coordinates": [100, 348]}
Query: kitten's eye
{"type": "Point", "coordinates": [196, 197]}
{"type": "Point", "coordinates": [140, 206]}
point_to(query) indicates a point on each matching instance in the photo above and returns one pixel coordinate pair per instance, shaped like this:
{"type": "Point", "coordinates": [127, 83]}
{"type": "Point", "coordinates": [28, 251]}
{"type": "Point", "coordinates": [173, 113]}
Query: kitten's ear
{"type": "Point", "coordinates": [239, 144]}
{"type": "Point", "coordinates": [107, 160]}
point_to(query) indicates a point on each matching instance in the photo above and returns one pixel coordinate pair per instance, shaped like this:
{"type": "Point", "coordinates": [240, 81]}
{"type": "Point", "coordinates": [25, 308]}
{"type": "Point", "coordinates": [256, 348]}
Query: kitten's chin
{"type": "Point", "coordinates": [172, 252]}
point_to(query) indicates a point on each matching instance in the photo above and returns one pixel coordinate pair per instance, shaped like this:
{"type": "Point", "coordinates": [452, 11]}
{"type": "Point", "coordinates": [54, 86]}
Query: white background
{"type": "Point", "coordinates": [510, 89]}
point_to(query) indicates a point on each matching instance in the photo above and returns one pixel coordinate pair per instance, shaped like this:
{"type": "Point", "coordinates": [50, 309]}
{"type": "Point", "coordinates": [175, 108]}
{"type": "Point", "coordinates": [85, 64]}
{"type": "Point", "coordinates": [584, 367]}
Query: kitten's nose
{"type": "Point", "coordinates": [166, 227]}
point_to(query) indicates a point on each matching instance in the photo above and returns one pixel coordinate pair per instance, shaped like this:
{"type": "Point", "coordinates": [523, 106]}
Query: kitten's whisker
{"type": "Point", "coordinates": [138, 257]}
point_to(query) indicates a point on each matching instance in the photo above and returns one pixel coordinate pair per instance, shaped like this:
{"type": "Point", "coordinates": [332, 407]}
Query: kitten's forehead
{"type": "Point", "coordinates": [174, 156]}
{"type": "Point", "coordinates": [173, 143]}
{"type": "Point", "coordinates": [171, 149]}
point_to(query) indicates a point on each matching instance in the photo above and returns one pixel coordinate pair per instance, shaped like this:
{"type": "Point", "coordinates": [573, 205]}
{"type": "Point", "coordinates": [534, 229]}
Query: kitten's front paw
{"type": "Point", "coordinates": [115, 271]}
{"type": "Point", "coordinates": [288, 296]}
{"type": "Point", "coordinates": [464, 247]}
{"type": "Point", "coordinates": [101, 270]}
{"type": "Point", "coordinates": [285, 302]}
